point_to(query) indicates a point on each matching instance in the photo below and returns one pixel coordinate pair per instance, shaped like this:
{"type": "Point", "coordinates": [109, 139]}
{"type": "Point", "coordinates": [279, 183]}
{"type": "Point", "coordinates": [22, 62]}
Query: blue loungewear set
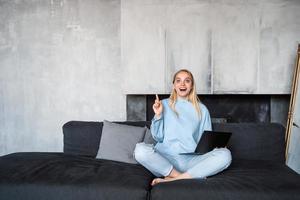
{"type": "Point", "coordinates": [177, 134]}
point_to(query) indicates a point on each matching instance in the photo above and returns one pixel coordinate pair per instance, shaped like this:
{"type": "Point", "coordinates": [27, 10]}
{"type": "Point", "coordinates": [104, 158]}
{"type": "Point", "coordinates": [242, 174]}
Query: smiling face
{"type": "Point", "coordinates": [183, 84]}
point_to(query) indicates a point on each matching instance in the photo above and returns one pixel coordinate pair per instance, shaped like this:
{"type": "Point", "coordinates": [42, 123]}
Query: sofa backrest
{"type": "Point", "coordinates": [83, 137]}
{"type": "Point", "coordinates": [255, 141]}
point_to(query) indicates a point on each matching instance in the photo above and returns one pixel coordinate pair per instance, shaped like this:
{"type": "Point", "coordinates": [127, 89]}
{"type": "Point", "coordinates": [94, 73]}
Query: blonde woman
{"type": "Point", "coordinates": [177, 127]}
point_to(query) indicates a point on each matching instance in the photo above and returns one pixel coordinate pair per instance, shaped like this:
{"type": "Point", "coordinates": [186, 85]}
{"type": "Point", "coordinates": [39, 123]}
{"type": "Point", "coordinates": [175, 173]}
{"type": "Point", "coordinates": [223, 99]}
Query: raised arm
{"type": "Point", "coordinates": [157, 125]}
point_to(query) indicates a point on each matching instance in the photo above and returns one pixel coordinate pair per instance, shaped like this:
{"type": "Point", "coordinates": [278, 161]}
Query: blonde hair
{"type": "Point", "coordinates": [192, 97]}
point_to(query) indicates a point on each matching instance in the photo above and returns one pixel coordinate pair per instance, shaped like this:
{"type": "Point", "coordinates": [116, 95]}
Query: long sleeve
{"type": "Point", "coordinates": [157, 128]}
{"type": "Point", "coordinates": [205, 124]}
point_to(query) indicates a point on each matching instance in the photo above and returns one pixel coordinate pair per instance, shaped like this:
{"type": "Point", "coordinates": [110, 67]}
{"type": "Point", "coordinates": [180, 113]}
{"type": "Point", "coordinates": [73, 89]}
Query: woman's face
{"type": "Point", "coordinates": [183, 84]}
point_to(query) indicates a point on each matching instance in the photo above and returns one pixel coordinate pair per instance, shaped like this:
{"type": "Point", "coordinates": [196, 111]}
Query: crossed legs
{"type": "Point", "coordinates": [192, 167]}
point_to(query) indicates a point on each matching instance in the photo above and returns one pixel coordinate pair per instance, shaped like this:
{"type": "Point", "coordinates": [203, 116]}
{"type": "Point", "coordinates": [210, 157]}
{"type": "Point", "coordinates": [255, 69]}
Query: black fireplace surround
{"type": "Point", "coordinates": [223, 108]}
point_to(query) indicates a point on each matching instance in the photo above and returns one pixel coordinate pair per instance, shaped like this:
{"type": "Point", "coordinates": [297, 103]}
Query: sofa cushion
{"type": "Point", "coordinates": [118, 141]}
{"type": "Point", "coordinates": [244, 179]}
{"type": "Point", "coordinates": [248, 141]}
{"type": "Point", "coordinates": [255, 141]}
{"type": "Point", "coordinates": [52, 176]}
{"type": "Point", "coordinates": [148, 139]}
{"type": "Point", "coordinates": [82, 138]}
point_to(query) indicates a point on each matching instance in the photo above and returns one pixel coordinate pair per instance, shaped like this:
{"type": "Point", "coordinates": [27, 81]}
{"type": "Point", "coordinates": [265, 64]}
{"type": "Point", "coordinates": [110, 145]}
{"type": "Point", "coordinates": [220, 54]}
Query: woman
{"type": "Point", "coordinates": [177, 127]}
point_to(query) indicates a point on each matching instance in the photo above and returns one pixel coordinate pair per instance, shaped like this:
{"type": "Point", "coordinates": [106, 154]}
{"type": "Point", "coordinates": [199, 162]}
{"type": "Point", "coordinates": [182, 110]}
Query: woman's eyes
{"type": "Point", "coordinates": [186, 81]}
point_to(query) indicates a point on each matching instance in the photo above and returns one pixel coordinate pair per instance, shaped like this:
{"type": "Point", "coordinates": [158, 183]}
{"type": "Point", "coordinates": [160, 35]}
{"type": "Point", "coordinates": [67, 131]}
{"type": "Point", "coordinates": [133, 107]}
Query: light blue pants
{"type": "Point", "coordinates": [198, 166]}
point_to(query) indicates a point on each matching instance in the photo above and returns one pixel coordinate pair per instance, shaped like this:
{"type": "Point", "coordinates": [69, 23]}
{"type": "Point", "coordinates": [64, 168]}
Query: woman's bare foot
{"type": "Point", "coordinates": [174, 173]}
{"type": "Point", "coordinates": [167, 179]}
{"type": "Point", "coordinates": [158, 180]}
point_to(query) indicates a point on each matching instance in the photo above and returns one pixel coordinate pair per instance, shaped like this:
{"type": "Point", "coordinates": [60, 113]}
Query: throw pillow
{"type": "Point", "coordinates": [148, 137]}
{"type": "Point", "coordinates": [118, 141]}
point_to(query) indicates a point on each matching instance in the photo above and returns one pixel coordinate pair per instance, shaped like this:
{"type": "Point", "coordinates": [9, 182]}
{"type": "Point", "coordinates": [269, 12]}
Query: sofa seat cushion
{"type": "Point", "coordinates": [244, 179]}
{"type": "Point", "coordinates": [61, 176]}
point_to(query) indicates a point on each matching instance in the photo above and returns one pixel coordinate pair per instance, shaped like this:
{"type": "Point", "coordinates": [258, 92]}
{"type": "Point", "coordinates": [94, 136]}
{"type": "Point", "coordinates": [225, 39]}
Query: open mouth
{"type": "Point", "coordinates": [182, 89]}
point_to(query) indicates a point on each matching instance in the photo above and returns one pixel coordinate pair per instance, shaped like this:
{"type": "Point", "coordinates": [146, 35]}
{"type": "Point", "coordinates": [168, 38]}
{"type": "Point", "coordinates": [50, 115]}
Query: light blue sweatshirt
{"type": "Point", "coordinates": [179, 134]}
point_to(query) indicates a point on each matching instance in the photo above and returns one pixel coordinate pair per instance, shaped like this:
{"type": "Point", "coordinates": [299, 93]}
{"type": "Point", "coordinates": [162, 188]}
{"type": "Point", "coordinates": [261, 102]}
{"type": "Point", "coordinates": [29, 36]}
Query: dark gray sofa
{"type": "Point", "coordinates": [258, 170]}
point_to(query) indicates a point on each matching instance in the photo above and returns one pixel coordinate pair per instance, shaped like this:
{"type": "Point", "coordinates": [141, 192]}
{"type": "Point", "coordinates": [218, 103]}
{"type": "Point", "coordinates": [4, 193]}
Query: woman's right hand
{"type": "Point", "coordinates": [157, 107]}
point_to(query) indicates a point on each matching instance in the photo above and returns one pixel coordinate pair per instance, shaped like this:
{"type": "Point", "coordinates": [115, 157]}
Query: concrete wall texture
{"type": "Point", "coordinates": [64, 60]}
{"type": "Point", "coordinates": [59, 61]}
{"type": "Point", "coordinates": [232, 46]}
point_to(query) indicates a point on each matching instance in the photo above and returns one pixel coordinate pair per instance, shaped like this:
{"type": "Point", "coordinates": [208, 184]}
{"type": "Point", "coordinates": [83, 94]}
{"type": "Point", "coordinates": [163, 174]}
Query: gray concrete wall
{"type": "Point", "coordinates": [64, 60]}
{"type": "Point", "coordinates": [231, 46]}
{"type": "Point", "coordinates": [59, 61]}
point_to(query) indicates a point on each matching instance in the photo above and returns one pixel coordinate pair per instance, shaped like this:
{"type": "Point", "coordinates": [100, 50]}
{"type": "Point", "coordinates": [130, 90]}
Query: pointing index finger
{"type": "Point", "coordinates": [157, 97]}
